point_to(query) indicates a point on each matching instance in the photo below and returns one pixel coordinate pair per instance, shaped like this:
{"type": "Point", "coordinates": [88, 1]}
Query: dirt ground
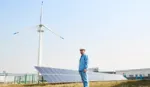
{"type": "Point", "coordinates": [92, 84]}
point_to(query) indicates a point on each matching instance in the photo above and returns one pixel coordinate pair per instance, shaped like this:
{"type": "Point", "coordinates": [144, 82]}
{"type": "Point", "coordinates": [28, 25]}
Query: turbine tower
{"type": "Point", "coordinates": [41, 28]}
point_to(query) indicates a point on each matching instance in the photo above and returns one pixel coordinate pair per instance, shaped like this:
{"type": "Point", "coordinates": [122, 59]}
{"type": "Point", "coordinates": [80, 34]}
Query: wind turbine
{"type": "Point", "coordinates": [40, 30]}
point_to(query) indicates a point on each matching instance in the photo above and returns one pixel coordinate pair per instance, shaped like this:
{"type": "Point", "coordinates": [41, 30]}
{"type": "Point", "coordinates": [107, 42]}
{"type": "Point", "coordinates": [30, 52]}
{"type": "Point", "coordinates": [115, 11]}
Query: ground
{"type": "Point", "coordinates": [92, 84]}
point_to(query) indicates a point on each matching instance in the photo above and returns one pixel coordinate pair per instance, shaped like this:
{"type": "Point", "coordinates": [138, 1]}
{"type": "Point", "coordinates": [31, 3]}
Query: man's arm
{"type": "Point", "coordinates": [86, 63]}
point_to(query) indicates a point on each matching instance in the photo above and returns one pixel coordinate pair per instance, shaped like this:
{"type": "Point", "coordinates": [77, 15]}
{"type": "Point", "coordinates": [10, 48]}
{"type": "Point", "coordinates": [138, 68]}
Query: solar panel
{"type": "Point", "coordinates": [55, 75]}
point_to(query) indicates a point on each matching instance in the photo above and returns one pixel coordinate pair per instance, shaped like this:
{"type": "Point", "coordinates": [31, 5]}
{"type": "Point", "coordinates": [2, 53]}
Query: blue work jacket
{"type": "Point", "coordinates": [83, 63]}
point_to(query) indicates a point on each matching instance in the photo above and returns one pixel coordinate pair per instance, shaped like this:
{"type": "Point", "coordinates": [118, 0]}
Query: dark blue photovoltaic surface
{"type": "Point", "coordinates": [54, 75]}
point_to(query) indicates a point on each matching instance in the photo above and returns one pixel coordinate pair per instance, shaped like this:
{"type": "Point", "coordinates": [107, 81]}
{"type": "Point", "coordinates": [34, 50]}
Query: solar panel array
{"type": "Point", "coordinates": [54, 75]}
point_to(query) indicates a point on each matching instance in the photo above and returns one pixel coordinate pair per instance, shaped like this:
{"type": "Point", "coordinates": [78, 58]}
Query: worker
{"type": "Point", "coordinates": [83, 67]}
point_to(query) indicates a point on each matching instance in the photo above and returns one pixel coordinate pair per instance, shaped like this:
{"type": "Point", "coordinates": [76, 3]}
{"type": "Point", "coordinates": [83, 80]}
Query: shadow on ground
{"type": "Point", "coordinates": [140, 83]}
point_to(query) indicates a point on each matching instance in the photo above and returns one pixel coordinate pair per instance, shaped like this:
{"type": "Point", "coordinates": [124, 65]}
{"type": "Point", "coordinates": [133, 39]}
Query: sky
{"type": "Point", "coordinates": [115, 34]}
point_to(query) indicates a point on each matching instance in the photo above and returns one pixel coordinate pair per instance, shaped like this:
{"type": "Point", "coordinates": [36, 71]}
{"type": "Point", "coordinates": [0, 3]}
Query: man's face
{"type": "Point", "coordinates": [82, 51]}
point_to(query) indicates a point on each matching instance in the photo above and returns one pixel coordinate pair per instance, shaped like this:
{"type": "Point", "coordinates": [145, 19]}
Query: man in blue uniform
{"type": "Point", "coordinates": [83, 67]}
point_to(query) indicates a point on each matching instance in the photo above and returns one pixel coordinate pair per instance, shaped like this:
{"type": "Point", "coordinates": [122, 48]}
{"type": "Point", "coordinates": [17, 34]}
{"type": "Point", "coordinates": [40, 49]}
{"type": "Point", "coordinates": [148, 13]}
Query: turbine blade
{"type": "Point", "coordinates": [16, 33]}
{"type": "Point", "coordinates": [53, 32]}
{"type": "Point", "coordinates": [33, 27]}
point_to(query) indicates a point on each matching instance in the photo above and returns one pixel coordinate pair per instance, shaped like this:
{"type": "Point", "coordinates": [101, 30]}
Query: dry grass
{"type": "Point", "coordinates": [92, 84]}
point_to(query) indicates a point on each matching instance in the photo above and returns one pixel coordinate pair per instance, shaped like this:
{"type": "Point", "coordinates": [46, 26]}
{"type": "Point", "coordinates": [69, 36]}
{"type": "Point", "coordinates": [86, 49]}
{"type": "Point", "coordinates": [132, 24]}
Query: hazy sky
{"type": "Point", "coordinates": [116, 34]}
